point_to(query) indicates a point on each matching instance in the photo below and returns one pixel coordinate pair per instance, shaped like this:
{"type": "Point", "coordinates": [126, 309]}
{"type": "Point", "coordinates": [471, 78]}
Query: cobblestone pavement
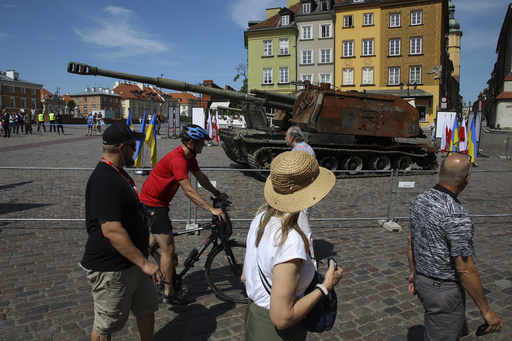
{"type": "Point", "coordinates": [44, 294]}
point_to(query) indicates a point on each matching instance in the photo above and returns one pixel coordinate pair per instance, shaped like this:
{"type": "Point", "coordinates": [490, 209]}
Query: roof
{"type": "Point", "coordinates": [16, 79]}
{"type": "Point", "coordinates": [274, 20]}
{"type": "Point", "coordinates": [509, 77]}
{"type": "Point", "coordinates": [185, 97]}
{"type": "Point", "coordinates": [134, 91]}
{"type": "Point", "coordinates": [504, 95]}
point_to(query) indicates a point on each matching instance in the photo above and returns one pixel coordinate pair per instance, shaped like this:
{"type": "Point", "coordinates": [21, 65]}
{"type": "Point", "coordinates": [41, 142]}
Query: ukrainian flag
{"type": "Point", "coordinates": [129, 122]}
{"type": "Point", "coordinates": [455, 136]}
{"type": "Point", "coordinates": [138, 150]}
{"type": "Point", "coordinates": [151, 139]}
{"type": "Point", "coordinates": [472, 148]}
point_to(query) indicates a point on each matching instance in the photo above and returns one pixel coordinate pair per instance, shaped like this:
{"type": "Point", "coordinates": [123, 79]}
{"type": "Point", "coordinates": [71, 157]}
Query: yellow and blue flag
{"type": "Point", "coordinates": [472, 148]}
{"type": "Point", "coordinates": [455, 136]}
{"type": "Point", "coordinates": [129, 122]}
{"type": "Point", "coordinates": [151, 139]}
{"type": "Point", "coordinates": [138, 150]}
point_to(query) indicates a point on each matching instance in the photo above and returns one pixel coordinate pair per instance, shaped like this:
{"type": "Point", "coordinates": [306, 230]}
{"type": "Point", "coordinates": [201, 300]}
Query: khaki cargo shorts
{"type": "Point", "coordinates": [116, 293]}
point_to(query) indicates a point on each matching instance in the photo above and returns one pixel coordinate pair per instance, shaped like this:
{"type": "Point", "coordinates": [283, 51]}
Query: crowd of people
{"type": "Point", "coordinates": [22, 121]}
{"type": "Point", "coordinates": [279, 263]}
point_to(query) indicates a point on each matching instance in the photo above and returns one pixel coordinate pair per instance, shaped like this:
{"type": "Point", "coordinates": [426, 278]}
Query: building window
{"type": "Point", "coordinates": [85, 109]}
{"type": "Point", "coordinates": [394, 20]}
{"type": "Point", "coordinates": [308, 78]}
{"type": "Point", "coordinates": [325, 56]}
{"type": "Point", "coordinates": [394, 76]}
{"type": "Point", "coordinates": [325, 31]}
{"type": "Point", "coordinates": [325, 78]}
{"type": "Point", "coordinates": [33, 91]}
{"type": "Point", "coordinates": [306, 8]}
{"type": "Point", "coordinates": [93, 99]}
{"type": "Point", "coordinates": [348, 76]}
{"type": "Point", "coordinates": [415, 75]}
{"type": "Point", "coordinates": [348, 49]}
{"type": "Point", "coordinates": [422, 109]}
{"type": "Point", "coordinates": [267, 76]}
{"type": "Point", "coordinates": [307, 57]}
{"type": "Point", "coordinates": [85, 99]}
{"type": "Point", "coordinates": [306, 32]}
{"type": "Point", "coordinates": [394, 47]}
{"type": "Point", "coordinates": [348, 21]}
{"type": "Point", "coordinates": [416, 46]}
{"type": "Point", "coordinates": [267, 48]}
{"type": "Point", "coordinates": [23, 103]}
{"type": "Point", "coordinates": [368, 19]}
{"type": "Point", "coordinates": [22, 90]}
{"type": "Point", "coordinates": [283, 47]}
{"type": "Point", "coordinates": [11, 88]}
{"type": "Point", "coordinates": [283, 75]}
{"type": "Point", "coordinates": [33, 103]}
{"type": "Point", "coordinates": [367, 75]}
{"type": "Point", "coordinates": [368, 47]}
{"type": "Point", "coordinates": [285, 20]}
{"type": "Point", "coordinates": [416, 18]}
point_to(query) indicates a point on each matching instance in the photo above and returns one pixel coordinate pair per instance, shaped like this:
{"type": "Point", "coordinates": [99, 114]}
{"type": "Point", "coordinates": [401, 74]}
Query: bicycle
{"type": "Point", "coordinates": [223, 274]}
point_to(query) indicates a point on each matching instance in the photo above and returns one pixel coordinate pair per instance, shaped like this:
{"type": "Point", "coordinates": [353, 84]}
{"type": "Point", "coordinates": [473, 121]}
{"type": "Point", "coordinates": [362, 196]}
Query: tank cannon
{"type": "Point", "coordinates": [347, 130]}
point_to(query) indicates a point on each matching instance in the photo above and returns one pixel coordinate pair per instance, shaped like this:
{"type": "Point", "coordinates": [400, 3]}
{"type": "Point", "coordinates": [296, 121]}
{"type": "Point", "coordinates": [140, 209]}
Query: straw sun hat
{"type": "Point", "coordinates": [296, 182]}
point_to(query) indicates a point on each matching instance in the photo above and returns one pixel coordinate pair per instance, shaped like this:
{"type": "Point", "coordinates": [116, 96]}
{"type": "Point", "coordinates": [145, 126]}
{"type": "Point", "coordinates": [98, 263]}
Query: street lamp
{"type": "Point", "coordinates": [176, 118]}
{"type": "Point", "coordinates": [408, 85]}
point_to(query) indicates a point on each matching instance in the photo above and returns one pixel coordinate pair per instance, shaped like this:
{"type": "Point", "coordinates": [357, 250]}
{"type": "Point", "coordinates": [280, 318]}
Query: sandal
{"type": "Point", "coordinates": [174, 299]}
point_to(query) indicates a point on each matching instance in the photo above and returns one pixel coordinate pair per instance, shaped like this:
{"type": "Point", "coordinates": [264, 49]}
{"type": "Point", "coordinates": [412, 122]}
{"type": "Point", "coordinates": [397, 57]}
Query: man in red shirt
{"type": "Point", "coordinates": [170, 173]}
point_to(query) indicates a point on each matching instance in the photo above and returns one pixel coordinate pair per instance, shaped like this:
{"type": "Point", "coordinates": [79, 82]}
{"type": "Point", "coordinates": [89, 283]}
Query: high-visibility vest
{"type": "Point", "coordinates": [52, 116]}
{"type": "Point", "coordinates": [40, 117]}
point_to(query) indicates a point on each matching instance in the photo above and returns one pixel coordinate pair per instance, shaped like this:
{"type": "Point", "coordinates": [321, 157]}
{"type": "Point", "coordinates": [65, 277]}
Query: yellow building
{"type": "Point", "coordinates": [395, 47]}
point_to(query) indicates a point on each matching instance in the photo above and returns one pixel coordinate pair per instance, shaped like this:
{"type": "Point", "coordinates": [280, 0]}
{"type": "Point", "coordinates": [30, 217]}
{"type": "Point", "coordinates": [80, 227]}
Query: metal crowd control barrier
{"type": "Point", "coordinates": [57, 195]}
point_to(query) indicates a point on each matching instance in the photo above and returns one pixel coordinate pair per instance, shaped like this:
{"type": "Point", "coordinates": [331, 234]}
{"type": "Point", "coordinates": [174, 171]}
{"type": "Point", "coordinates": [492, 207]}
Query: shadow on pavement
{"type": "Point", "coordinates": [10, 208]}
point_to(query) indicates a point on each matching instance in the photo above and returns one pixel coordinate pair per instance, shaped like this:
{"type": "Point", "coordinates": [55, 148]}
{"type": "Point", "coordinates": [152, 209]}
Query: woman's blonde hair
{"type": "Point", "coordinates": [288, 223]}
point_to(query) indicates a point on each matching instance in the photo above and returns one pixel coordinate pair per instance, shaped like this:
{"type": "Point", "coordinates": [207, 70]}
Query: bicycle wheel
{"type": "Point", "coordinates": [224, 281]}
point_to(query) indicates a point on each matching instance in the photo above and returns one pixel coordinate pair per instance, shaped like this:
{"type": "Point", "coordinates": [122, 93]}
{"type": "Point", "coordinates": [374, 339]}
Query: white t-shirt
{"type": "Point", "coordinates": [268, 255]}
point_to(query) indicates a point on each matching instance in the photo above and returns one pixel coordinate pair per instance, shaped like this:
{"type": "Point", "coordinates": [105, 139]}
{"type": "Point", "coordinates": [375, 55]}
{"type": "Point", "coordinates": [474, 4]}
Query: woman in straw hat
{"type": "Point", "coordinates": [277, 251]}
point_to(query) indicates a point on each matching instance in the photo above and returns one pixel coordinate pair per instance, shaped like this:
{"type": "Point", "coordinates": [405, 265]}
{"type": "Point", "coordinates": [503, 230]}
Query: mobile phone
{"type": "Point", "coordinates": [481, 330]}
{"type": "Point", "coordinates": [334, 260]}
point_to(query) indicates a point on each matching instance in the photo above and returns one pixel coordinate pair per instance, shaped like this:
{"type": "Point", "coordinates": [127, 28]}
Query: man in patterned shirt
{"type": "Point", "coordinates": [441, 253]}
{"type": "Point", "coordinates": [295, 138]}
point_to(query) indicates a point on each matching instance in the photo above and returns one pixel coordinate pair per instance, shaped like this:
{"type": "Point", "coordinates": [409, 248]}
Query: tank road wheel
{"type": "Point", "coordinates": [403, 163]}
{"type": "Point", "coordinates": [379, 163]}
{"type": "Point", "coordinates": [427, 162]}
{"type": "Point", "coordinates": [261, 159]}
{"type": "Point", "coordinates": [353, 164]}
{"type": "Point", "coordinates": [329, 162]}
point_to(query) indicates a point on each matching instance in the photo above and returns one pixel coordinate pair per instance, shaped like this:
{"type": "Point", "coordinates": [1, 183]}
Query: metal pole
{"type": "Point", "coordinates": [394, 198]}
{"type": "Point", "coordinates": [390, 193]}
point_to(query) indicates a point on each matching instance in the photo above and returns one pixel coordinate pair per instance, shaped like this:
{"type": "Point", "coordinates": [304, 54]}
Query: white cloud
{"type": "Point", "coordinates": [119, 36]}
{"type": "Point", "coordinates": [9, 5]}
{"type": "Point", "coordinates": [243, 11]}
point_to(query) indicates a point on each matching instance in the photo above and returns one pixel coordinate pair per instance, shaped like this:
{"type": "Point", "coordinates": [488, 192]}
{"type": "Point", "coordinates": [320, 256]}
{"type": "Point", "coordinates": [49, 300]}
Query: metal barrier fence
{"type": "Point", "coordinates": [56, 195]}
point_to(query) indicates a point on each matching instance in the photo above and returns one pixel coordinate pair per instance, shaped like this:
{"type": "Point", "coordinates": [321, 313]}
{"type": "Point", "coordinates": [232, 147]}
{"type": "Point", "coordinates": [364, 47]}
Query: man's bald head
{"type": "Point", "coordinates": [454, 170]}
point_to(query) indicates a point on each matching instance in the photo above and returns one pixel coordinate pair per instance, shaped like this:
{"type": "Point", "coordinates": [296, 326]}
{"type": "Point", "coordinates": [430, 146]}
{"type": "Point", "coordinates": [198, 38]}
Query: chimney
{"type": "Point", "coordinates": [12, 74]}
{"type": "Point", "coordinates": [141, 86]}
{"type": "Point", "coordinates": [116, 84]}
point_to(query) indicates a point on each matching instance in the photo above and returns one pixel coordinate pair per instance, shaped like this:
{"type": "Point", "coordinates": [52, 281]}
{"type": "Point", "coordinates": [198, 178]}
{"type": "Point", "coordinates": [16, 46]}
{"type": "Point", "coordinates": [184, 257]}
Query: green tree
{"type": "Point", "coordinates": [71, 104]}
{"type": "Point", "coordinates": [241, 71]}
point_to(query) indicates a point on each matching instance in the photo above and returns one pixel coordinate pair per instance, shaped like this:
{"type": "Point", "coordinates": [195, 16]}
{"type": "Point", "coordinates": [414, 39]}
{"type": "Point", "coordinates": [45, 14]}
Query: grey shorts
{"type": "Point", "coordinates": [116, 293]}
{"type": "Point", "coordinates": [445, 308]}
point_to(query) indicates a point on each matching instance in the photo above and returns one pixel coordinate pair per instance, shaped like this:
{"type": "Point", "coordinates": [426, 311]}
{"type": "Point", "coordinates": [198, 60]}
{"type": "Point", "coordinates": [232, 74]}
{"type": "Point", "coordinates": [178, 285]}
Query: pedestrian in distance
{"type": "Point", "coordinates": [58, 121]}
{"type": "Point", "coordinates": [40, 122]}
{"type": "Point", "coordinates": [441, 253]}
{"type": "Point", "coordinates": [5, 123]}
{"type": "Point", "coordinates": [169, 174]}
{"type": "Point", "coordinates": [90, 118]}
{"type": "Point", "coordinates": [28, 122]}
{"type": "Point", "coordinates": [115, 257]}
{"type": "Point", "coordinates": [277, 251]}
{"type": "Point", "coordinates": [52, 121]}
{"type": "Point", "coordinates": [432, 128]}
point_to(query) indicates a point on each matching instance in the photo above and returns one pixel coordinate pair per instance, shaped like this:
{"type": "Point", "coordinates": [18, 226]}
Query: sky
{"type": "Point", "coordinates": [190, 41]}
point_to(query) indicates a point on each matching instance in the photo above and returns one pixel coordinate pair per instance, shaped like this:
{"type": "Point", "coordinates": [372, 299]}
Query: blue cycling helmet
{"type": "Point", "coordinates": [194, 132]}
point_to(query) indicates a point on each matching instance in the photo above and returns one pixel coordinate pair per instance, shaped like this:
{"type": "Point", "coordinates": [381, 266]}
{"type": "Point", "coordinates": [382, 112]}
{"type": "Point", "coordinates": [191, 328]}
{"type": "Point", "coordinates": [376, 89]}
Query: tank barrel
{"type": "Point", "coordinates": [276, 96]}
{"type": "Point", "coordinates": [84, 69]}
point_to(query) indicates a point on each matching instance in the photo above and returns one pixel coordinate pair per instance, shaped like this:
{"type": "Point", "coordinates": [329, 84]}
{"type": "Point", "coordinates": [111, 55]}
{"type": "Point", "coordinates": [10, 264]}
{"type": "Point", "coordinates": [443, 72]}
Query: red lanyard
{"type": "Point", "coordinates": [124, 175]}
